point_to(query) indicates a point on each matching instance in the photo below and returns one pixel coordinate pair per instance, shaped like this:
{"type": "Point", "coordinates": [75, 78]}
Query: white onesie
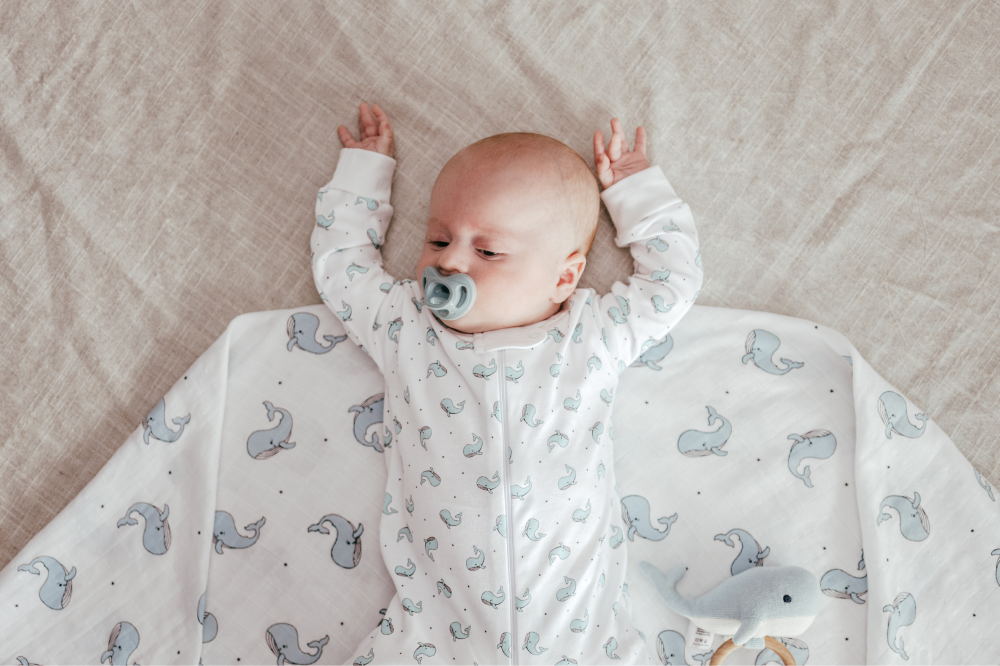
{"type": "Point", "coordinates": [502, 524]}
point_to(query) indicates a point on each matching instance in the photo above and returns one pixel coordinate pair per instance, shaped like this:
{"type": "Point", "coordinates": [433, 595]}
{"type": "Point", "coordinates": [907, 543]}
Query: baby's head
{"type": "Point", "coordinates": [517, 212]}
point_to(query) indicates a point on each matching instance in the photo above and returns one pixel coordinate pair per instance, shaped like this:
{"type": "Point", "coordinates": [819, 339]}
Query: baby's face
{"type": "Point", "coordinates": [506, 229]}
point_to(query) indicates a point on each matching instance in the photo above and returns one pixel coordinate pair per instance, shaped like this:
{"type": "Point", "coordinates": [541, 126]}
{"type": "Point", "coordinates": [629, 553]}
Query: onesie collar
{"type": "Point", "coordinates": [517, 337]}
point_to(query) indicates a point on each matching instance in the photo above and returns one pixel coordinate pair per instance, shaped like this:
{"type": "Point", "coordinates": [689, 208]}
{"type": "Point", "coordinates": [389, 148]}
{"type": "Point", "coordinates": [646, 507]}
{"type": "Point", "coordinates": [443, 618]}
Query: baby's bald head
{"type": "Point", "coordinates": [546, 162]}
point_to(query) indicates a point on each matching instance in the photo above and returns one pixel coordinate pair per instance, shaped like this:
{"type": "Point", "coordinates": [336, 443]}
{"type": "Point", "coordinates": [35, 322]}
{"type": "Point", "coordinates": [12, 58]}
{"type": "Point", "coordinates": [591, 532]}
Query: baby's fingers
{"type": "Point", "coordinates": [384, 129]}
{"type": "Point", "coordinates": [617, 138]}
{"type": "Point", "coordinates": [345, 137]}
{"type": "Point", "coordinates": [367, 122]}
{"type": "Point", "coordinates": [640, 140]}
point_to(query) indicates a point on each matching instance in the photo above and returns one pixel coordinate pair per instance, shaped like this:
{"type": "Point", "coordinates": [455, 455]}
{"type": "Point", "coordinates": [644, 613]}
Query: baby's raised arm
{"type": "Point", "coordinates": [352, 216]}
{"type": "Point", "coordinates": [659, 230]}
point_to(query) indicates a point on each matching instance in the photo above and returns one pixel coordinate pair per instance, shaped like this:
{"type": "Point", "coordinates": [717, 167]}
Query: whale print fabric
{"type": "Point", "coordinates": [312, 585]}
{"type": "Point", "coordinates": [513, 425]}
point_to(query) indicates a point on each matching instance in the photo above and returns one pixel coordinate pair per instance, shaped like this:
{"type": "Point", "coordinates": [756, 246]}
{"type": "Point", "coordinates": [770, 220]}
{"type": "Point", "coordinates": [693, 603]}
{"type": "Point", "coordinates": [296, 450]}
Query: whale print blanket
{"type": "Point", "coordinates": [238, 523]}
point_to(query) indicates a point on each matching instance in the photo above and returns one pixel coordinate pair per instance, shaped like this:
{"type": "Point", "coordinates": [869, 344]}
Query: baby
{"type": "Point", "coordinates": [502, 524]}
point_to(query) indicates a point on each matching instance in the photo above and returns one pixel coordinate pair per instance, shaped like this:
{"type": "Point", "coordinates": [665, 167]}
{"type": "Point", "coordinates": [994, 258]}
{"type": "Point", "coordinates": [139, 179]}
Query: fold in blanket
{"type": "Point", "coordinates": [238, 522]}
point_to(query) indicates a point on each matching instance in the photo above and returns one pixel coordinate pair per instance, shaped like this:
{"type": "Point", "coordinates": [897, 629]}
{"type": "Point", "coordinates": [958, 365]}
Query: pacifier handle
{"type": "Point", "coordinates": [774, 644]}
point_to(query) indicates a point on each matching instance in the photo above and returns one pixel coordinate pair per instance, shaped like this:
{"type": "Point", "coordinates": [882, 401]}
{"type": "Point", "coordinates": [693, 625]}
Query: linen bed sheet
{"type": "Point", "coordinates": [237, 523]}
{"type": "Point", "coordinates": [159, 161]}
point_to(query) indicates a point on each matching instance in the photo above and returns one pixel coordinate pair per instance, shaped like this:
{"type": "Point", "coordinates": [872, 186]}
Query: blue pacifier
{"type": "Point", "coordinates": [449, 297]}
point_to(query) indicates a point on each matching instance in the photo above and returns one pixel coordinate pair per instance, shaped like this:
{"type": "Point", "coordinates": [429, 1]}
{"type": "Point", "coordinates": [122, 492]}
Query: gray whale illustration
{"type": "Point", "coordinates": [635, 513]}
{"type": "Point", "coordinates": [580, 626]}
{"type": "Point", "coordinates": [697, 443]}
{"type": "Point", "coordinates": [262, 444]}
{"type": "Point", "coordinates": [283, 639]}
{"type": "Point", "coordinates": [456, 631]}
{"type": "Point", "coordinates": [819, 444]}
{"type": "Point", "coordinates": [657, 352]}
{"type": "Point", "coordinates": [734, 607]}
{"type": "Point", "coordinates": [670, 648]}
{"type": "Point", "coordinates": [493, 600]}
{"type": "Point", "coordinates": [913, 521]}
{"type": "Point", "coordinates": [985, 484]}
{"type": "Point", "coordinates": [750, 553]}
{"type": "Point", "coordinates": [531, 644]}
{"type": "Point", "coordinates": [564, 593]}
{"type": "Point", "coordinates": [156, 534]}
{"type": "Point", "coordinates": [902, 612]}
{"type": "Point", "coordinates": [892, 409]}
{"type": "Point", "coordinates": [224, 532]}
{"type": "Point", "coordinates": [798, 650]}
{"type": "Point", "coordinates": [504, 644]}
{"type": "Point", "coordinates": [842, 585]}
{"type": "Point", "coordinates": [760, 347]}
{"type": "Point", "coordinates": [209, 625]}
{"type": "Point", "coordinates": [58, 586]}
{"type": "Point", "coordinates": [302, 327]}
{"type": "Point", "coordinates": [424, 650]}
{"type": "Point", "coordinates": [346, 549]}
{"type": "Point", "coordinates": [368, 414]}
{"type": "Point", "coordinates": [156, 424]}
{"type": "Point", "coordinates": [122, 643]}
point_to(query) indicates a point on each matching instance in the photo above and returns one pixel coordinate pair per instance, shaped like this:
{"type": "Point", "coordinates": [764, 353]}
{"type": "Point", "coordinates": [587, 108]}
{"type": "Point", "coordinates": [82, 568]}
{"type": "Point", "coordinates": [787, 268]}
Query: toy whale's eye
{"type": "Point", "coordinates": [787, 599]}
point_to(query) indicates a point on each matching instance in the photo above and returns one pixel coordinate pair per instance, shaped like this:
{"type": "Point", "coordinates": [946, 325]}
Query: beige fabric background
{"type": "Point", "coordinates": [159, 165]}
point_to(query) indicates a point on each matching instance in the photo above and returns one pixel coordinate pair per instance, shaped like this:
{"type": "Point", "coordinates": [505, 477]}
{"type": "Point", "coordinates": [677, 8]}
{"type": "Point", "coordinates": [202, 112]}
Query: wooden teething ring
{"type": "Point", "coordinates": [779, 648]}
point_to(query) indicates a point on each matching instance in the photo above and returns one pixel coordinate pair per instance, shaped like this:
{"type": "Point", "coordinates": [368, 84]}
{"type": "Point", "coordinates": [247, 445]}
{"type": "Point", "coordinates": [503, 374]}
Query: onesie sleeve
{"type": "Point", "coordinates": [658, 228]}
{"type": "Point", "coordinates": [352, 216]}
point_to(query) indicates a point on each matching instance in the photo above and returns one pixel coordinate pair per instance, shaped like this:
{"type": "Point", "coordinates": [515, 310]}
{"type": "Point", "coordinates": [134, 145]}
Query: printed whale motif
{"type": "Point", "coordinates": [902, 612]}
{"type": "Point", "coordinates": [819, 444]}
{"type": "Point", "coordinates": [224, 532]}
{"type": "Point", "coordinates": [892, 409]}
{"type": "Point", "coordinates": [262, 444]}
{"type": "Point", "coordinates": [493, 600]}
{"type": "Point", "coordinates": [531, 644]}
{"type": "Point", "coordinates": [518, 492]}
{"type": "Point", "coordinates": [842, 585]}
{"type": "Point", "coordinates": [913, 521]}
{"type": "Point", "coordinates": [408, 570]}
{"type": "Point", "coordinates": [565, 593]}
{"type": "Point", "coordinates": [283, 641]}
{"type": "Point", "coordinates": [368, 414]}
{"type": "Point", "coordinates": [750, 554]}
{"type": "Point", "coordinates": [156, 534]}
{"type": "Point", "coordinates": [156, 424]}
{"type": "Point", "coordinates": [346, 549]}
{"type": "Point", "coordinates": [58, 586]}
{"type": "Point", "coordinates": [655, 350]}
{"type": "Point", "coordinates": [209, 625]}
{"type": "Point", "coordinates": [697, 443]}
{"type": "Point", "coordinates": [456, 631]}
{"type": "Point", "coordinates": [636, 515]}
{"type": "Point", "coordinates": [761, 346]}
{"type": "Point", "coordinates": [122, 643]}
{"type": "Point", "coordinates": [302, 328]}
{"type": "Point", "coordinates": [485, 372]}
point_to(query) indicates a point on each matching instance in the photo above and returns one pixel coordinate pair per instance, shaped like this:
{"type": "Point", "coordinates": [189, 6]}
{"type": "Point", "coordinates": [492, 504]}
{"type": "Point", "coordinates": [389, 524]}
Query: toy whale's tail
{"type": "Point", "coordinates": [666, 586]}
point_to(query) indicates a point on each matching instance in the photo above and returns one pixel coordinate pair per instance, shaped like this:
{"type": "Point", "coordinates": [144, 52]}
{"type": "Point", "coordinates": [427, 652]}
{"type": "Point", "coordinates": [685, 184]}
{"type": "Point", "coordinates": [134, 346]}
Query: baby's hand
{"type": "Point", "coordinates": [616, 163]}
{"type": "Point", "coordinates": [374, 137]}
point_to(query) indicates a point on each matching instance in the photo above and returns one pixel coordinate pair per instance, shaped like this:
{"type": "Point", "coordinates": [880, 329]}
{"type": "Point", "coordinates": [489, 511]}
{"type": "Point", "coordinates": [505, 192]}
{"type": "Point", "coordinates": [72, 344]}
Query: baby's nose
{"type": "Point", "coordinates": [453, 260]}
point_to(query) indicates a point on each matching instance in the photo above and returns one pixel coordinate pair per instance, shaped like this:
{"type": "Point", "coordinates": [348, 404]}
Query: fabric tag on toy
{"type": "Point", "coordinates": [698, 638]}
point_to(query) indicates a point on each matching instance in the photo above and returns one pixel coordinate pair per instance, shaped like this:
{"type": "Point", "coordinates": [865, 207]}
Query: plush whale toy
{"type": "Point", "coordinates": [759, 602]}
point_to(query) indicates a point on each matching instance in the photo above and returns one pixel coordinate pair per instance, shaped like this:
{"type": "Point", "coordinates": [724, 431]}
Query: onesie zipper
{"type": "Point", "coordinates": [512, 588]}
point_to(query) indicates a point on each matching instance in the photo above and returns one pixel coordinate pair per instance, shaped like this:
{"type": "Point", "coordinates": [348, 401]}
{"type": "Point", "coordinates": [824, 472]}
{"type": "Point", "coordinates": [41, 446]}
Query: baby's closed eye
{"type": "Point", "coordinates": [487, 253]}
